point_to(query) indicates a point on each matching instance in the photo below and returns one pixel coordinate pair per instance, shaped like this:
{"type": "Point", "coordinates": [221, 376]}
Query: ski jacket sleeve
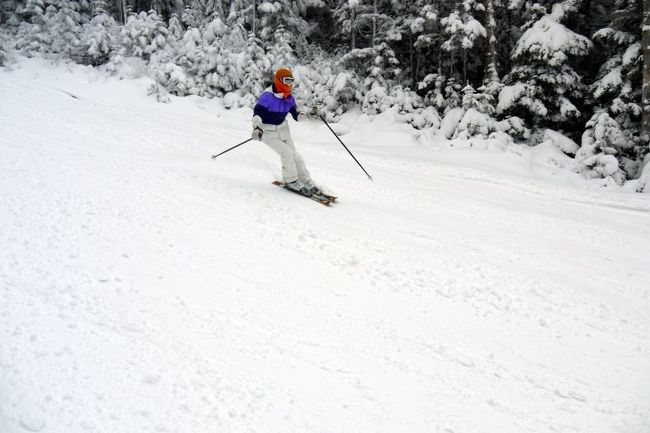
{"type": "Point", "coordinates": [294, 113]}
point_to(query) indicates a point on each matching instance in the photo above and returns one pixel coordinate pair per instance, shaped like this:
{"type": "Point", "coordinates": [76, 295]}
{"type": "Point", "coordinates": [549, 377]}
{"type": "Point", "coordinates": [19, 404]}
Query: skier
{"type": "Point", "coordinates": [271, 127]}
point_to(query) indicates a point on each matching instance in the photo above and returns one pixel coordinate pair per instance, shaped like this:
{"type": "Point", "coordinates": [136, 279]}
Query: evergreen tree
{"type": "Point", "coordinates": [8, 13]}
{"type": "Point", "coordinates": [289, 15]}
{"type": "Point", "coordinates": [204, 11]}
{"type": "Point", "coordinates": [645, 97]}
{"type": "Point", "coordinates": [175, 28]}
{"type": "Point", "coordinates": [345, 15]}
{"type": "Point", "coordinates": [280, 53]}
{"type": "Point", "coordinates": [618, 84]}
{"type": "Point", "coordinates": [602, 144]}
{"type": "Point", "coordinates": [65, 28]}
{"type": "Point", "coordinates": [190, 51]}
{"type": "Point", "coordinates": [31, 11]}
{"type": "Point", "coordinates": [543, 87]}
{"type": "Point", "coordinates": [33, 34]}
{"type": "Point", "coordinates": [429, 37]}
{"type": "Point", "coordinates": [490, 74]}
{"type": "Point", "coordinates": [143, 35]}
{"type": "Point", "coordinates": [243, 14]}
{"type": "Point", "coordinates": [255, 70]}
{"type": "Point", "coordinates": [99, 37]}
{"type": "Point", "coordinates": [217, 70]}
{"type": "Point", "coordinates": [463, 32]}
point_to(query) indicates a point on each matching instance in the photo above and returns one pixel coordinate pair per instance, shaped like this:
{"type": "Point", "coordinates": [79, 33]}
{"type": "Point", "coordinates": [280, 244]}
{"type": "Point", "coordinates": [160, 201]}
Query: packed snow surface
{"type": "Point", "coordinates": [145, 287]}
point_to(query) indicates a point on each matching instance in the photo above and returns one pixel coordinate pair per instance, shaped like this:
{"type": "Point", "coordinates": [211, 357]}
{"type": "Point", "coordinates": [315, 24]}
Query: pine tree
{"type": "Point", "coordinates": [645, 99]}
{"type": "Point", "coordinates": [190, 51]}
{"type": "Point", "coordinates": [33, 35]}
{"type": "Point", "coordinates": [542, 87]}
{"type": "Point", "coordinates": [490, 74]}
{"type": "Point", "coordinates": [616, 92]}
{"type": "Point", "coordinates": [3, 54]}
{"type": "Point", "coordinates": [217, 70]}
{"type": "Point", "coordinates": [31, 11]}
{"type": "Point", "coordinates": [8, 13]}
{"type": "Point", "coordinates": [346, 15]}
{"type": "Point", "coordinates": [463, 32]}
{"type": "Point", "coordinates": [602, 144]}
{"type": "Point", "coordinates": [243, 14]}
{"type": "Point", "coordinates": [289, 15]}
{"type": "Point", "coordinates": [280, 53]}
{"type": "Point", "coordinates": [143, 35]}
{"type": "Point", "coordinates": [99, 36]}
{"type": "Point", "coordinates": [65, 29]}
{"type": "Point", "coordinates": [255, 70]}
{"type": "Point", "coordinates": [175, 28]}
{"type": "Point", "coordinates": [203, 11]}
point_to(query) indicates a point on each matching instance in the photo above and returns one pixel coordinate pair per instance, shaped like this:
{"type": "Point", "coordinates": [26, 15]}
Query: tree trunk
{"type": "Point", "coordinates": [353, 29]}
{"type": "Point", "coordinates": [464, 67]}
{"type": "Point", "coordinates": [413, 67]}
{"type": "Point", "coordinates": [645, 42]}
{"type": "Point", "coordinates": [490, 74]}
{"type": "Point", "coordinates": [254, 17]}
{"type": "Point", "coordinates": [451, 64]}
{"type": "Point", "coordinates": [374, 24]}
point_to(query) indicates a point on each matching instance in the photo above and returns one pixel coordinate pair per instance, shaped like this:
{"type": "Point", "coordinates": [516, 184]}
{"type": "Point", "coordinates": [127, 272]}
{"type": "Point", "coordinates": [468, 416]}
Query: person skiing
{"type": "Point", "coordinates": [271, 127]}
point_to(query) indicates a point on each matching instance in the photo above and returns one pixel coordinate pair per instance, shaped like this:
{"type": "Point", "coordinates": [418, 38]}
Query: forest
{"type": "Point", "coordinates": [471, 69]}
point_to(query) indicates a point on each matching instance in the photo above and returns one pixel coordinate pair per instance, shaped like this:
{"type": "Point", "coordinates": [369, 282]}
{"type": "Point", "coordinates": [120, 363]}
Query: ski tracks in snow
{"type": "Point", "coordinates": [146, 287]}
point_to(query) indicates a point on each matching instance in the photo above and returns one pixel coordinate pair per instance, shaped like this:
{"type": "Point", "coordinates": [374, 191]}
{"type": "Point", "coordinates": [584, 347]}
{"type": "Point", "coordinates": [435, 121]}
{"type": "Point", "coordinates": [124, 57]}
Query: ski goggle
{"type": "Point", "coordinates": [288, 81]}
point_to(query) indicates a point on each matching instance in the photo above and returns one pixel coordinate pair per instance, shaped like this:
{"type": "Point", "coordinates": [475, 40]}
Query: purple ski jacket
{"type": "Point", "coordinates": [273, 108]}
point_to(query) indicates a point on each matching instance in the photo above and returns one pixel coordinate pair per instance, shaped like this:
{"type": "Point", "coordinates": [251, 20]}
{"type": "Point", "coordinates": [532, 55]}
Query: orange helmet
{"type": "Point", "coordinates": [283, 81]}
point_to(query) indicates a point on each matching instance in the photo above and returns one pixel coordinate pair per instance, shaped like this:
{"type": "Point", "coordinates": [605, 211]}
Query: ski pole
{"type": "Point", "coordinates": [228, 150]}
{"type": "Point", "coordinates": [346, 148]}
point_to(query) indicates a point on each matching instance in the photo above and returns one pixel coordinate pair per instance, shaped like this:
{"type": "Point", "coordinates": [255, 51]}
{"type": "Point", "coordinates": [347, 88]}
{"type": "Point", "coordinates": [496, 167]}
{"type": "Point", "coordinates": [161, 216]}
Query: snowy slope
{"type": "Point", "coordinates": [145, 287]}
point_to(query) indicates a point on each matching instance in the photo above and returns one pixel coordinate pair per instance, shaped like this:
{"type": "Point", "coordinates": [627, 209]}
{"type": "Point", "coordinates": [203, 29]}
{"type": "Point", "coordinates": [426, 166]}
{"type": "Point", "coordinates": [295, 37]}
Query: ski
{"type": "Point", "coordinates": [318, 198]}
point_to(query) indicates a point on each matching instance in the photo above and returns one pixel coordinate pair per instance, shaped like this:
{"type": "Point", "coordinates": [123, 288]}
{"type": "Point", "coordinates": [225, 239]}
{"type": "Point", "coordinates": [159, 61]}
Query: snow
{"type": "Point", "coordinates": [551, 41]}
{"type": "Point", "coordinates": [631, 54]}
{"type": "Point", "coordinates": [610, 82]}
{"type": "Point", "coordinates": [146, 287]}
{"type": "Point", "coordinates": [509, 95]}
{"type": "Point", "coordinates": [560, 141]}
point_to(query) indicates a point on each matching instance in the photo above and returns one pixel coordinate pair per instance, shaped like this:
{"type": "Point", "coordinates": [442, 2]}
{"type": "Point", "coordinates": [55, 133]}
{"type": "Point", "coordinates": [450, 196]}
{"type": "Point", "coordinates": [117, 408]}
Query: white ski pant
{"type": "Point", "coordinates": [279, 139]}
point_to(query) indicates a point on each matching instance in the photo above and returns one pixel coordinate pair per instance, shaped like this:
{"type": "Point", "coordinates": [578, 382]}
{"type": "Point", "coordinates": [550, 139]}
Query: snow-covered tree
{"type": "Point", "coordinates": [425, 27]}
{"type": "Point", "coordinates": [254, 68]}
{"type": "Point", "coordinates": [543, 87]}
{"type": "Point", "coordinates": [8, 14]}
{"type": "Point", "coordinates": [346, 15]}
{"type": "Point", "coordinates": [3, 54]}
{"type": "Point", "coordinates": [602, 144]}
{"type": "Point", "coordinates": [99, 37]}
{"type": "Point", "coordinates": [617, 87]}
{"type": "Point", "coordinates": [325, 87]}
{"type": "Point", "coordinates": [218, 70]}
{"type": "Point", "coordinates": [33, 33]}
{"type": "Point", "coordinates": [175, 27]}
{"type": "Point", "coordinates": [280, 52]}
{"type": "Point", "coordinates": [143, 35]}
{"type": "Point", "coordinates": [645, 98]}
{"type": "Point", "coordinates": [285, 13]}
{"type": "Point", "coordinates": [380, 68]}
{"type": "Point", "coordinates": [65, 28]}
{"type": "Point", "coordinates": [242, 14]}
{"type": "Point", "coordinates": [462, 33]}
{"type": "Point", "coordinates": [490, 73]}
{"type": "Point", "coordinates": [201, 12]}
